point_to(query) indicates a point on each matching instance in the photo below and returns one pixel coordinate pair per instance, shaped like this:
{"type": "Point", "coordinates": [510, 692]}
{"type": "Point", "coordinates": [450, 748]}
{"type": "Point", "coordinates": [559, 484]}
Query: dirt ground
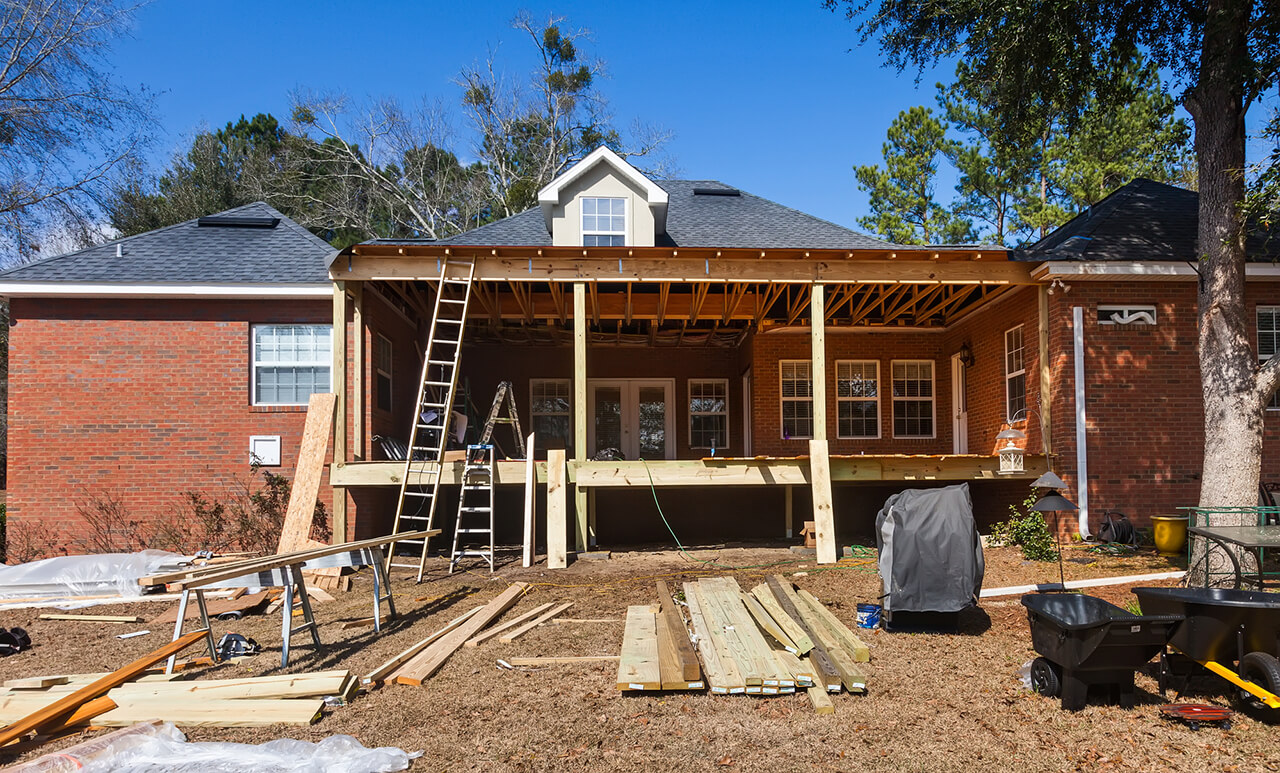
{"type": "Point", "coordinates": [936, 702]}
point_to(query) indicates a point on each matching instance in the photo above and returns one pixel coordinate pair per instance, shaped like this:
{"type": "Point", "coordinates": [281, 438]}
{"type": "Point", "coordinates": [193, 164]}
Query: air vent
{"type": "Point", "coordinates": [716, 192]}
{"type": "Point", "coordinates": [232, 221]}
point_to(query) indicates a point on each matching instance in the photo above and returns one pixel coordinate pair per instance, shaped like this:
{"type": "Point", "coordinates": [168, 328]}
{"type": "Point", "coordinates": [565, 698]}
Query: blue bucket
{"type": "Point", "coordinates": [868, 615]}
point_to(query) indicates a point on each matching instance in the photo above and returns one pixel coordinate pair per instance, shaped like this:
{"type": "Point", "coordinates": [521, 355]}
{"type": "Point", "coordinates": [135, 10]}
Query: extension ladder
{"type": "Point", "coordinates": [505, 393]}
{"type": "Point", "coordinates": [475, 504]}
{"type": "Point", "coordinates": [420, 483]}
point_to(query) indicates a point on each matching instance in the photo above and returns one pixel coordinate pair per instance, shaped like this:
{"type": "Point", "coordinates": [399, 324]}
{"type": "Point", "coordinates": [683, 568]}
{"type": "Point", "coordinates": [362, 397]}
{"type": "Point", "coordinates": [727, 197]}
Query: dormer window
{"type": "Point", "coordinates": [604, 222]}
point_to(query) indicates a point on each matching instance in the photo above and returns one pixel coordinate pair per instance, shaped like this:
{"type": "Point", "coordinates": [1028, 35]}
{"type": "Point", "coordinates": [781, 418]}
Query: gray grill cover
{"type": "Point", "coordinates": [930, 553]}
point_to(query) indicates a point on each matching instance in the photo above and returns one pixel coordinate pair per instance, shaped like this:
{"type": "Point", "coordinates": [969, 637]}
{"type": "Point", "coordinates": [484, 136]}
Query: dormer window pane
{"type": "Point", "coordinates": [604, 222]}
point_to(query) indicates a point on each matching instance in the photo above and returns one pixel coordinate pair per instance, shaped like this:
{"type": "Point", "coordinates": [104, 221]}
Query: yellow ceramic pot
{"type": "Point", "coordinates": [1170, 534]}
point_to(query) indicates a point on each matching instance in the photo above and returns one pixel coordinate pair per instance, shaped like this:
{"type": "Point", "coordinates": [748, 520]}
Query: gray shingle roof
{"type": "Point", "coordinates": [1143, 220]}
{"type": "Point", "coordinates": [698, 220]}
{"type": "Point", "coordinates": [187, 253]}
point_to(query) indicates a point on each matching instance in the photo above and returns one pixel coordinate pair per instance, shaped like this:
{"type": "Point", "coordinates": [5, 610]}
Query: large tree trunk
{"type": "Point", "coordinates": [1233, 404]}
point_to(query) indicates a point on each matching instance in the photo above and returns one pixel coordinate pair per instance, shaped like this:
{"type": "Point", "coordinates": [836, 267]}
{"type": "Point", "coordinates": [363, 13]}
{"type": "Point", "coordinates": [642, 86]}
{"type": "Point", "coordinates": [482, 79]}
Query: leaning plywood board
{"type": "Point", "coordinates": [295, 534]}
{"type": "Point", "coordinates": [207, 712]}
{"type": "Point", "coordinates": [386, 669]}
{"type": "Point", "coordinates": [717, 677]}
{"type": "Point", "coordinates": [848, 640]}
{"type": "Point", "coordinates": [425, 663]}
{"type": "Point", "coordinates": [789, 625]}
{"type": "Point", "coordinates": [676, 636]}
{"type": "Point", "coordinates": [638, 668]}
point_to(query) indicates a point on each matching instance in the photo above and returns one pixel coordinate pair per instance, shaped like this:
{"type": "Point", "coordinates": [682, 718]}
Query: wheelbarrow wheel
{"type": "Point", "coordinates": [1263, 670]}
{"type": "Point", "coordinates": [1045, 678]}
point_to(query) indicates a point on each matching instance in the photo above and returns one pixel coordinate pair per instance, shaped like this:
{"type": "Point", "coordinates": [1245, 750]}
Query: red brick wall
{"type": "Point", "coordinates": [142, 399]}
{"type": "Point", "coordinates": [1143, 400]}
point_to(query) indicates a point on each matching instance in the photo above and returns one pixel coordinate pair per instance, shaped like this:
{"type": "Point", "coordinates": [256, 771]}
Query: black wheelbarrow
{"type": "Point", "coordinates": [1232, 633]}
{"type": "Point", "coordinates": [1084, 642]}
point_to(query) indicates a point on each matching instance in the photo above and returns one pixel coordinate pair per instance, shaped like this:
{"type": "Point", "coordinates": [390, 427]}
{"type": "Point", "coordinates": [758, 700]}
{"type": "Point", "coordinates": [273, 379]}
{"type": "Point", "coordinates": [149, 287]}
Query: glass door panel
{"type": "Point", "coordinates": [651, 403]}
{"type": "Point", "coordinates": [607, 432]}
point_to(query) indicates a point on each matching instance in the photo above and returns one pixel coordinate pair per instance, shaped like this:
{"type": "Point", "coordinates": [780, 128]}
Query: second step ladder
{"type": "Point", "coordinates": [475, 508]}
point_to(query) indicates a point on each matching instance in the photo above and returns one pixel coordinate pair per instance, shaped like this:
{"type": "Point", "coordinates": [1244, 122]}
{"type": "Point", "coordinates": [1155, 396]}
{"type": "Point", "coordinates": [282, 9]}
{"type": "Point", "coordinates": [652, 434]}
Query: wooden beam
{"type": "Point", "coordinates": [823, 512]}
{"type": "Point", "coordinates": [489, 633]}
{"type": "Point", "coordinates": [425, 663]}
{"type": "Point", "coordinates": [338, 417]}
{"type": "Point", "coordinates": [829, 675]}
{"type": "Point", "coordinates": [211, 712]}
{"type": "Point", "coordinates": [678, 635]}
{"type": "Point", "coordinates": [530, 502]}
{"type": "Point", "coordinates": [818, 369]}
{"type": "Point", "coordinates": [789, 509]}
{"type": "Point", "coordinates": [557, 528]}
{"type": "Point", "coordinates": [638, 667]}
{"type": "Point", "coordinates": [357, 381]}
{"type": "Point", "coordinates": [388, 667]}
{"type": "Point", "coordinates": [564, 659]}
{"type": "Point", "coordinates": [580, 326]}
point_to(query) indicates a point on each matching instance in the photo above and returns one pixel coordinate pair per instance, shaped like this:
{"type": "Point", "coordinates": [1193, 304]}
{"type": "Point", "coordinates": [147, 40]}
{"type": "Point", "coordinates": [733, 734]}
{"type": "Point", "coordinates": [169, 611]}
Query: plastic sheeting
{"type": "Point", "coordinates": [83, 575]}
{"type": "Point", "coordinates": [930, 551]}
{"type": "Point", "coordinates": [167, 750]}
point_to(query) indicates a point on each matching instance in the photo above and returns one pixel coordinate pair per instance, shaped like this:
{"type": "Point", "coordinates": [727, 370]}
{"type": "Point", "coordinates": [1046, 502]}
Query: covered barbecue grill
{"type": "Point", "coordinates": [930, 557]}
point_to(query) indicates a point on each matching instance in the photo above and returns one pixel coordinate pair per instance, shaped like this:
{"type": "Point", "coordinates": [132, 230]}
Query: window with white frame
{"type": "Point", "coordinates": [1269, 341]}
{"type": "Point", "coordinates": [797, 399]}
{"type": "Point", "coordinates": [913, 399]}
{"type": "Point", "coordinates": [857, 399]}
{"type": "Point", "coordinates": [1015, 374]}
{"type": "Point", "coordinates": [604, 222]}
{"type": "Point", "coordinates": [551, 406]}
{"type": "Point", "coordinates": [708, 413]}
{"type": "Point", "coordinates": [382, 363]}
{"type": "Point", "coordinates": [290, 363]}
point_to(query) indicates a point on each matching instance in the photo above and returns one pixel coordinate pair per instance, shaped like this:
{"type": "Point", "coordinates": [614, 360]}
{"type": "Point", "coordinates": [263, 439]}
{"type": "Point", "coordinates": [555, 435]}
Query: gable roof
{"type": "Point", "coordinates": [553, 192]}
{"type": "Point", "coordinates": [1141, 221]}
{"type": "Point", "coordinates": [701, 213]}
{"type": "Point", "coordinates": [225, 253]}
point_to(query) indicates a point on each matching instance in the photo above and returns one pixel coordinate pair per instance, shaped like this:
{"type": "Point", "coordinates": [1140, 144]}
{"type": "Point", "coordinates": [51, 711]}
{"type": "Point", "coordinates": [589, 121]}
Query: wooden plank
{"type": "Point", "coordinates": [729, 643]}
{"type": "Point", "coordinates": [337, 426]}
{"type": "Point", "coordinates": [789, 626]}
{"type": "Point", "coordinates": [96, 618]}
{"type": "Point", "coordinates": [716, 676]}
{"type": "Point", "coordinates": [767, 624]}
{"type": "Point", "coordinates": [828, 675]}
{"type": "Point", "coordinates": [851, 676]}
{"type": "Point", "coordinates": [35, 682]}
{"type": "Point", "coordinates": [566, 659]}
{"type": "Point", "coordinates": [581, 327]}
{"type": "Point", "coordinates": [205, 712]}
{"type": "Point", "coordinates": [821, 700]}
{"type": "Point", "coordinates": [848, 640]}
{"type": "Point", "coordinates": [729, 595]}
{"type": "Point", "coordinates": [420, 668]}
{"type": "Point", "coordinates": [295, 534]}
{"type": "Point", "coordinates": [387, 668]}
{"type": "Point", "coordinates": [557, 515]}
{"type": "Point", "coordinates": [823, 511]}
{"type": "Point", "coordinates": [669, 675]}
{"type": "Point", "coordinates": [245, 604]}
{"type": "Point", "coordinates": [818, 361]}
{"type": "Point", "coordinates": [52, 713]}
{"type": "Point", "coordinates": [638, 666]}
{"type": "Point", "coordinates": [801, 671]}
{"type": "Point", "coordinates": [677, 635]}
{"type": "Point", "coordinates": [530, 502]}
{"type": "Point", "coordinates": [486, 635]}
{"type": "Point", "coordinates": [511, 636]}
{"type": "Point", "coordinates": [294, 686]}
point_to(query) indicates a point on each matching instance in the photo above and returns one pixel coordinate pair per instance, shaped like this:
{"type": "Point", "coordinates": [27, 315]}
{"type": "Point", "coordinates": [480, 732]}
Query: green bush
{"type": "Point", "coordinates": [1027, 529]}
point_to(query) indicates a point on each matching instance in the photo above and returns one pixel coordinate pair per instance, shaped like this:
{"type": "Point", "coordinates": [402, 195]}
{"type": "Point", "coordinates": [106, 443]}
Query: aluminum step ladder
{"type": "Point", "coordinates": [420, 483]}
{"type": "Point", "coordinates": [475, 508]}
{"type": "Point", "coordinates": [504, 396]}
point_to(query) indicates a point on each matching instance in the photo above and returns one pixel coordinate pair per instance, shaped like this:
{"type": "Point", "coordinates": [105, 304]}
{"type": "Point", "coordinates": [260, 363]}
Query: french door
{"type": "Point", "coordinates": [635, 416]}
{"type": "Point", "coordinates": [960, 405]}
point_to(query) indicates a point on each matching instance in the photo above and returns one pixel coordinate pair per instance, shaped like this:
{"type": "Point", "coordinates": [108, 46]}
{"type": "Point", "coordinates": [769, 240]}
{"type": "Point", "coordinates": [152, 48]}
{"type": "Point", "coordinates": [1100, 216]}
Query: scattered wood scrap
{"type": "Point", "coordinates": [241, 605]}
{"type": "Point", "coordinates": [384, 671]}
{"type": "Point", "coordinates": [420, 667]}
{"type": "Point", "coordinates": [564, 659]}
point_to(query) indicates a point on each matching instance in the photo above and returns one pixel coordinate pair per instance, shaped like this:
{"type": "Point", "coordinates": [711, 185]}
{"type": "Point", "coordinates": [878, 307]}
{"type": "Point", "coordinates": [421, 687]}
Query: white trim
{"type": "Point", "coordinates": [91, 290]}
{"type": "Point", "coordinates": [933, 400]}
{"type": "Point", "coordinates": [783, 400]}
{"type": "Point", "coordinates": [325, 362]}
{"type": "Point", "coordinates": [1082, 452]}
{"type": "Point", "coordinates": [726, 413]}
{"type": "Point", "coordinates": [626, 231]}
{"type": "Point", "coordinates": [1147, 269]}
{"type": "Point", "coordinates": [1009, 375]}
{"type": "Point", "coordinates": [551, 196]}
{"type": "Point", "coordinates": [959, 400]}
{"type": "Point", "coordinates": [876, 400]}
{"type": "Point", "coordinates": [1273, 404]}
{"type": "Point", "coordinates": [629, 394]}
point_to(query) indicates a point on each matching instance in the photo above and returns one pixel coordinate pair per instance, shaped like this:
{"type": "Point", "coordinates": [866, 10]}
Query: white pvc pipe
{"type": "Point", "coordinates": [1018, 590]}
{"type": "Point", "coordinates": [1082, 454]}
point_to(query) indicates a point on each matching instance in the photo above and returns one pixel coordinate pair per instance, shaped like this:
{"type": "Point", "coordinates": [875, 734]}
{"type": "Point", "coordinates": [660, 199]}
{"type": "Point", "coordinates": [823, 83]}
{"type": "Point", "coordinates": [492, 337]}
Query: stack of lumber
{"type": "Point", "coordinates": [770, 641]}
{"type": "Point", "coordinates": [418, 663]}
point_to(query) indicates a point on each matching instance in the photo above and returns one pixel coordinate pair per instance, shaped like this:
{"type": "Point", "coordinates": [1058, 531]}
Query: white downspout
{"type": "Point", "coordinates": [1082, 453]}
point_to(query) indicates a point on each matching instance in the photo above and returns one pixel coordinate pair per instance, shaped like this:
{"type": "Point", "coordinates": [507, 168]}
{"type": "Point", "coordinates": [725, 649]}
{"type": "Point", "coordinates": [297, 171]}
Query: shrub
{"type": "Point", "coordinates": [1027, 529]}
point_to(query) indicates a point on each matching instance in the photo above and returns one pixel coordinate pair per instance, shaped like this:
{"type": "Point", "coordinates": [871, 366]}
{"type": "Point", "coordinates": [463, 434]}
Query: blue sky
{"type": "Point", "coordinates": [766, 96]}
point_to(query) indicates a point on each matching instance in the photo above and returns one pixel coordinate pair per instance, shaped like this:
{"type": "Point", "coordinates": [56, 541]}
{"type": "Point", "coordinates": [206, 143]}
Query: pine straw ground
{"type": "Point", "coordinates": [936, 702]}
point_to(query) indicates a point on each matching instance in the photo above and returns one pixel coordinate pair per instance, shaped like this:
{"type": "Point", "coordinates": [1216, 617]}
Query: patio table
{"type": "Point", "coordinates": [1256, 539]}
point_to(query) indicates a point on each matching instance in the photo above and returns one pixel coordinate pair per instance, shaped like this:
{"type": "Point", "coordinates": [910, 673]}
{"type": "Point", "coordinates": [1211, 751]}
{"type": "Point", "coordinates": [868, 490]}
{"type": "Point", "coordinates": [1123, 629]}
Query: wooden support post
{"type": "Point", "coordinates": [1046, 375]}
{"type": "Point", "coordinates": [818, 369]}
{"type": "Point", "coordinates": [581, 326]}
{"type": "Point", "coordinates": [557, 528]}
{"type": "Point", "coordinates": [823, 512]}
{"type": "Point", "coordinates": [338, 378]}
{"type": "Point", "coordinates": [591, 517]}
{"type": "Point", "coordinates": [530, 503]}
{"type": "Point", "coordinates": [790, 509]}
{"type": "Point", "coordinates": [358, 356]}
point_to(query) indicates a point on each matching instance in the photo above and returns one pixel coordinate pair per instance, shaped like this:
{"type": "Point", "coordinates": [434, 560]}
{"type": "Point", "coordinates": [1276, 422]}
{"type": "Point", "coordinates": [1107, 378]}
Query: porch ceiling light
{"type": "Point", "coordinates": [966, 355]}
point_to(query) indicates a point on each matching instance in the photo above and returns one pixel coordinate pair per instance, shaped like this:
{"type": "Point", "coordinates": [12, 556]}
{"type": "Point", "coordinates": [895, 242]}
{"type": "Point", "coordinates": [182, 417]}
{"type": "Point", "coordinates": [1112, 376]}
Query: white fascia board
{"type": "Point", "coordinates": [112, 290]}
{"type": "Point", "coordinates": [657, 198]}
{"type": "Point", "coordinates": [1162, 269]}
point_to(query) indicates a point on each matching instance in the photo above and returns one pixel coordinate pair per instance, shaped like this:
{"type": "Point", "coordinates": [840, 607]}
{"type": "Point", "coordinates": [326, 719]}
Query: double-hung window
{"type": "Point", "coordinates": [708, 413]}
{"type": "Point", "coordinates": [797, 399]}
{"type": "Point", "coordinates": [1269, 341]}
{"type": "Point", "coordinates": [1015, 374]}
{"type": "Point", "coordinates": [913, 399]}
{"type": "Point", "coordinates": [551, 406]}
{"type": "Point", "coordinates": [604, 222]}
{"type": "Point", "coordinates": [290, 363]}
{"type": "Point", "coordinates": [858, 399]}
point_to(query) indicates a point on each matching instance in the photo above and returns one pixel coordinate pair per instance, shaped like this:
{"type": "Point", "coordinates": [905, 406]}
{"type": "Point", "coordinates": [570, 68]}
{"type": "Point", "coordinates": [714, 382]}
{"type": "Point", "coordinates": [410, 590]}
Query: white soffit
{"type": "Point", "coordinates": [551, 196]}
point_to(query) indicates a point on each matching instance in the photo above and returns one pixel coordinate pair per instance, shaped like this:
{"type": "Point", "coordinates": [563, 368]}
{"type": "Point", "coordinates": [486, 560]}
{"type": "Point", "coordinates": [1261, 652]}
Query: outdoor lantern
{"type": "Point", "coordinates": [1011, 456]}
{"type": "Point", "coordinates": [966, 355]}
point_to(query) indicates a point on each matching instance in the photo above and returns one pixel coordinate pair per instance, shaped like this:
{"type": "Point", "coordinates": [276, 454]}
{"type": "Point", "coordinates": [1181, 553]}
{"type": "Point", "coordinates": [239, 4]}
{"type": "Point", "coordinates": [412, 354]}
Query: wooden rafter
{"type": "Point", "coordinates": [797, 303]}
{"type": "Point", "coordinates": [919, 296]}
{"type": "Point", "coordinates": [772, 293]}
{"type": "Point", "coordinates": [700, 292]}
{"type": "Point", "coordinates": [869, 297]}
{"type": "Point", "coordinates": [846, 294]}
{"type": "Point", "coordinates": [557, 300]}
{"type": "Point", "coordinates": [524, 299]}
{"type": "Point", "coordinates": [738, 292]}
{"type": "Point", "coordinates": [626, 313]}
{"type": "Point", "coordinates": [593, 290]}
{"type": "Point", "coordinates": [715, 325]}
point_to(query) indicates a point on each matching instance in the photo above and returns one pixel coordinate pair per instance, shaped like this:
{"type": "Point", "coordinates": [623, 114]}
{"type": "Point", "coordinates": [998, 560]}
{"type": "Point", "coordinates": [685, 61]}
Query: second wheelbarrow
{"type": "Point", "coordinates": [1084, 641]}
